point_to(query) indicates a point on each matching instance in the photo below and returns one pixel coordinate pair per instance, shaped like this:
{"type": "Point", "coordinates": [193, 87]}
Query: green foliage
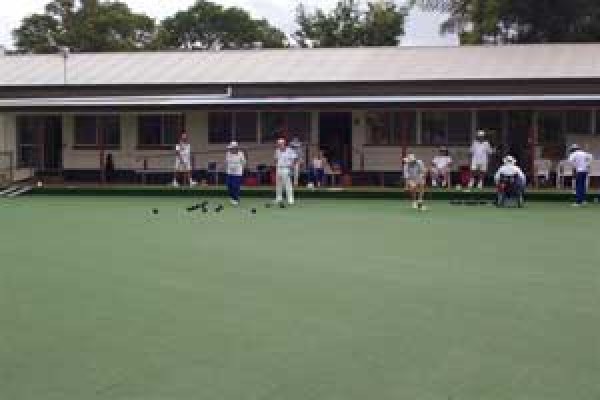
{"type": "Point", "coordinates": [519, 21]}
{"type": "Point", "coordinates": [84, 26]}
{"type": "Point", "coordinates": [208, 25]}
{"type": "Point", "coordinates": [348, 24]}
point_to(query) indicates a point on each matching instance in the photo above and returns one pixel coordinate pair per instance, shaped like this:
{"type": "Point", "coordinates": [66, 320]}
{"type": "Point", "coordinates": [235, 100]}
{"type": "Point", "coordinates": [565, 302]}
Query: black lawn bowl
{"type": "Point", "coordinates": [155, 211]}
{"type": "Point", "coordinates": [268, 205]}
{"type": "Point", "coordinates": [281, 205]}
{"type": "Point", "coordinates": [253, 211]}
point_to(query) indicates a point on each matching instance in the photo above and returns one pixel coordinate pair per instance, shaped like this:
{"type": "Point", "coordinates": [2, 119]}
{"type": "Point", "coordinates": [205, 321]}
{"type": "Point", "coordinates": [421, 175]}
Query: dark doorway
{"type": "Point", "coordinates": [335, 137]}
{"type": "Point", "coordinates": [40, 143]}
{"type": "Point", "coordinates": [517, 141]}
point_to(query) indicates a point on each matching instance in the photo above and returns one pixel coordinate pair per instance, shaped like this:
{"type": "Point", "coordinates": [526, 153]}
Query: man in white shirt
{"type": "Point", "coordinates": [581, 161]}
{"type": "Point", "coordinates": [441, 166]}
{"type": "Point", "coordinates": [235, 162]}
{"type": "Point", "coordinates": [286, 159]}
{"type": "Point", "coordinates": [183, 161]}
{"type": "Point", "coordinates": [414, 176]}
{"type": "Point", "coordinates": [480, 153]}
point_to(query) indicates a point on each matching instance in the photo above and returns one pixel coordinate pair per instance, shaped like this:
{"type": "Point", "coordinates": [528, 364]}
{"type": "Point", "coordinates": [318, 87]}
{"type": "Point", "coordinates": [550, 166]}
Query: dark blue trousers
{"type": "Point", "coordinates": [234, 186]}
{"type": "Point", "coordinates": [580, 187]}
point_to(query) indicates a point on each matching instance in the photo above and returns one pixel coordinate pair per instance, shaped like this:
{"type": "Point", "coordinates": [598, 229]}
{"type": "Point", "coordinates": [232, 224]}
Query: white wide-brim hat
{"type": "Point", "coordinates": [410, 158]}
{"type": "Point", "coordinates": [233, 145]}
{"type": "Point", "coordinates": [480, 133]}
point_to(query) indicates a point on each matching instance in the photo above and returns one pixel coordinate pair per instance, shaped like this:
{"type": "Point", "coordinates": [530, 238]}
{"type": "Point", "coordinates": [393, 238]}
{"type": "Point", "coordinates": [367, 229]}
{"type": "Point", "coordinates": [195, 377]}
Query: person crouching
{"type": "Point", "coordinates": [510, 181]}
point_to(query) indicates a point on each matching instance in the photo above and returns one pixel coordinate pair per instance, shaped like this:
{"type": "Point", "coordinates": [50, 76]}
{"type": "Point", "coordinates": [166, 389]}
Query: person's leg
{"type": "Point", "coordinates": [580, 187]}
{"type": "Point", "coordinates": [320, 177]}
{"type": "Point", "coordinates": [474, 172]}
{"type": "Point", "coordinates": [435, 175]}
{"type": "Point", "coordinates": [289, 189]}
{"type": "Point", "coordinates": [229, 183]}
{"type": "Point", "coordinates": [238, 187]}
{"type": "Point", "coordinates": [279, 185]}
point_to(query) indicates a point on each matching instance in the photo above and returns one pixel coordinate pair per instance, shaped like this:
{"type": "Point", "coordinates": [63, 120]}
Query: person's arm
{"type": "Point", "coordinates": [522, 176]}
{"type": "Point", "coordinates": [497, 176]}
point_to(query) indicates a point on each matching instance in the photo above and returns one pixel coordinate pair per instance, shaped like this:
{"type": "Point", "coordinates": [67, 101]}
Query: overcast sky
{"type": "Point", "coordinates": [422, 28]}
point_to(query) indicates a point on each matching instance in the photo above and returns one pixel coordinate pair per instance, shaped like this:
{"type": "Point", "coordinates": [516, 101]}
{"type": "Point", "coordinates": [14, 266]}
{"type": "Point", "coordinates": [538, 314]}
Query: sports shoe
{"type": "Point", "coordinates": [193, 183]}
{"type": "Point", "coordinates": [175, 184]}
{"type": "Point", "coordinates": [415, 205]}
{"type": "Point", "coordinates": [480, 185]}
{"type": "Point", "coordinates": [576, 205]}
{"type": "Point", "coordinates": [234, 203]}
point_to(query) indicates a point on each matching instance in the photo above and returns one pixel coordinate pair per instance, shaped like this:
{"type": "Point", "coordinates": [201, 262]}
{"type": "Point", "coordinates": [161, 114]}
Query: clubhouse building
{"type": "Point", "coordinates": [64, 115]}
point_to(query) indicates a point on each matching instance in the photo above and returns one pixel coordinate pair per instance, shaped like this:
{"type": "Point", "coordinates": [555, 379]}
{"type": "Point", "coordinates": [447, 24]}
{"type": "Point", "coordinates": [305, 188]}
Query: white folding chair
{"type": "Point", "coordinates": [564, 169]}
{"type": "Point", "coordinates": [542, 170]}
{"type": "Point", "coordinates": [594, 171]}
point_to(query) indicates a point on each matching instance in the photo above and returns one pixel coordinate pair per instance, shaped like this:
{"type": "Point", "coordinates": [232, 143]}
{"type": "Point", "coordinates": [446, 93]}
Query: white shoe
{"type": "Point", "coordinates": [434, 184]}
{"type": "Point", "coordinates": [234, 203]}
{"type": "Point", "coordinates": [193, 183]}
{"type": "Point", "coordinates": [576, 205]}
{"type": "Point", "coordinates": [480, 185]}
{"type": "Point", "coordinates": [291, 203]}
{"type": "Point", "coordinates": [175, 184]}
{"type": "Point", "coordinates": [415, 205]}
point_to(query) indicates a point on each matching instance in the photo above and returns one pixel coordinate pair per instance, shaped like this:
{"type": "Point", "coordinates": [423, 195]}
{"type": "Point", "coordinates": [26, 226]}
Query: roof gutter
{"type": "Point", "coordinates": [225, 100]}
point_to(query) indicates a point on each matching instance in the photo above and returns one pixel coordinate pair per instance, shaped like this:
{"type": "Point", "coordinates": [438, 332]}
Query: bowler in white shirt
{"type": "Point", "coordinates": [235, 162]}
{"type": "Point", "coordinates": [581, 161]}
{"type": "Point", "coordinates": [286, 159]}
{"type": "Point", "coordinates": [480, 153]}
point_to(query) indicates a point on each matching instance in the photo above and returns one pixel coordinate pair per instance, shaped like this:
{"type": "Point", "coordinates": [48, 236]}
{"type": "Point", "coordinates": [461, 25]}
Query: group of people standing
{"type": "Point", "coordinates": [288, 156]}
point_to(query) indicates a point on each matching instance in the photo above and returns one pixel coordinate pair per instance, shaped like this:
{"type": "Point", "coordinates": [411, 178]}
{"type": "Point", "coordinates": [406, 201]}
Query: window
{"type": "Point", "coordinates": [97, 130]}
{"type": "Point", "coordinates": [282, 124]}
{"type": "Point", "coordinates": [579, 122]}
{"type": "Point", "coordinates": [386, 128]}
{"type": "Point", "coordinates": [29, 130]}
{"type": "Point", "coordinates": [598, 122]}
{"type": "Point", "coordinates": [160, 130]}
{"type": "Point", "coordinates": [226, 126]}
{"type": "Point", "coordinates": [550, 125]}
{"type": "Point", "coordinates": [220, 127]}
{"type": "Point", "coordinates": [492, 122]}
{"type": "Point", "coordinates": [446, 128]}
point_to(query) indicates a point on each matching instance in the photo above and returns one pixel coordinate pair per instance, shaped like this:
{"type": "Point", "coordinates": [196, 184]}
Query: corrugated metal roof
{"type": "Point", "coordinates": [550, 61]}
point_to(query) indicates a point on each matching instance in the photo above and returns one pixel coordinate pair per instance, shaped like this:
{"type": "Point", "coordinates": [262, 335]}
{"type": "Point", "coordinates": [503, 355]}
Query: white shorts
{"type": "Point", "coordinates": [480, 166]}
{"type": "Point", "coordinates": [183, 165]}
{"type": "Point", "coordinates": [414, 182]}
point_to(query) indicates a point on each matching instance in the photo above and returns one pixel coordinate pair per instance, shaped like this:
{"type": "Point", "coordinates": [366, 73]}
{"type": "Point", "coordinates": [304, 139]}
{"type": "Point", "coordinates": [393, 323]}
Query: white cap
{"type": "Point", "coordinates": [480, 133]}
{"type": "Point", "coordinates": [510, 160]}
{"type": "Point", "coordinates": [233, 145]}
{"type": "Point", "coordinates": [281, 141]}
{"type": "Point", "coordinates": [410, 158]}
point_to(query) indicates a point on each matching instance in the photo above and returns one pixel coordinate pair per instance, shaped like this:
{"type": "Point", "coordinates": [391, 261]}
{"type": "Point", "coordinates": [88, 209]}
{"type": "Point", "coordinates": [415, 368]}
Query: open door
{"type": "Point", "coordinates": [40, 144]}
{"type": "Point", "coordinates": [335, 137]}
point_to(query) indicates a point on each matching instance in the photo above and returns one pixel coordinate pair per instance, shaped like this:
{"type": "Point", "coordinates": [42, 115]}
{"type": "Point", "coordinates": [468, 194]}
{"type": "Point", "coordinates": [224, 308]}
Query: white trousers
{"type": "Point", "coordinates": [284, 180]}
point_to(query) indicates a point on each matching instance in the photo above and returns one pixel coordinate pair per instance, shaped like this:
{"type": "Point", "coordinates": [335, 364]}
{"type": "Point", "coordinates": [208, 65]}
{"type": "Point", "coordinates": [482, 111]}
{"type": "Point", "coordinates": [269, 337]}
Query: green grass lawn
{"type": "Point", "coordinates": [331, 300]}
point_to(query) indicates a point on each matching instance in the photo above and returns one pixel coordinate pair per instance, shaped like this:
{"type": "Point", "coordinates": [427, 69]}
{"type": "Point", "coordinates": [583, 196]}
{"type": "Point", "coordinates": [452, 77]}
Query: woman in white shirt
{"type": "Point", "coordinates": [235, 161]}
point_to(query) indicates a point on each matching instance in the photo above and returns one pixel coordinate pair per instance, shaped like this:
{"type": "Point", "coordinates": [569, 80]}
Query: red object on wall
{"type": "Point", "coordinates": [251, 181]}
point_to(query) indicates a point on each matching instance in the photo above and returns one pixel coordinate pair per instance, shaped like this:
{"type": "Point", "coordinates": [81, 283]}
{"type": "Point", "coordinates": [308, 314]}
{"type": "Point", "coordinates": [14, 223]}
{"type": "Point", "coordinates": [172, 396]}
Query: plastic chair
{"type": "Point", "coordinates": [564, 169]}
{"type": "Point", "coordinates": [542, 170]}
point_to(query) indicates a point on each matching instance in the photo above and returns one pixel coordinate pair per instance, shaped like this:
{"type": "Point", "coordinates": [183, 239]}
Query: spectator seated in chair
{"type": "Point", "coordinates": [510, 183]}
{"type": "Point", "coordinates": [441, 166]}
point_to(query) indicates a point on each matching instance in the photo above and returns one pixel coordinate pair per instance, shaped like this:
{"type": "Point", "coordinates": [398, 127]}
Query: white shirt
{"type": "Point", "coordinates": [184, 151]}
{"type": "Point", "coordinates": [414, 170]}
{"type": "Point", "coordinates": [510, 170]}
{"type": "Point", "coordinates": [235, 163]}
{"type": "Point", "coordinates": [441, 162]}
{"type": "Point", "coordinates": [317, 163]}
{"type": "Point", "coordinates": [480, 151]}
{"type": "Point", "coordinates": [581, 160]}
{"type": "Point", "coordinates": [285, 158]}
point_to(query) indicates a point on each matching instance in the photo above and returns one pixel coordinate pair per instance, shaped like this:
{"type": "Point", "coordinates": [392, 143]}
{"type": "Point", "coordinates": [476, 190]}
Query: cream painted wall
{"type": "Point", "coordinates": [375, 158]}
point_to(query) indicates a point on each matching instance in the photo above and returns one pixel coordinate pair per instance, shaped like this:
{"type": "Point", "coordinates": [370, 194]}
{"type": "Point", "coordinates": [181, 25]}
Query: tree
{"type": "Point", "coordinates": [208, 25]}
{"type": "Point", "coordinates": [519, 21]}
{"type": "Point", "coordinates": [84, 26]}
{"type": "Point", "coordinates": [380, 24]}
